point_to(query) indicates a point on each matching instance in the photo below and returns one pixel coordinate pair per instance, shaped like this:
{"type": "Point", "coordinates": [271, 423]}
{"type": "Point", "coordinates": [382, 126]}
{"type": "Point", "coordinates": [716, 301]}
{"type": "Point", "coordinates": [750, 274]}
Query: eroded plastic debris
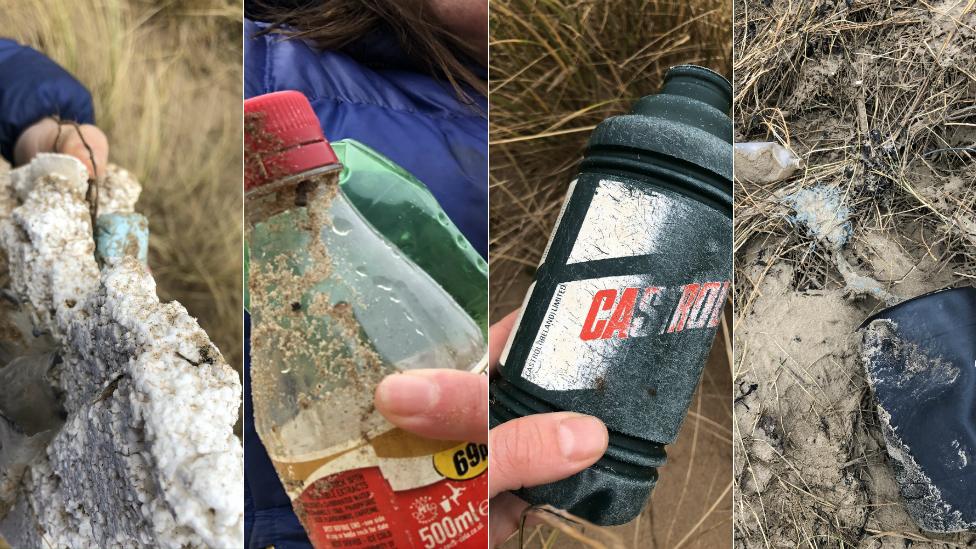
{"type": "Point", "coordinates": [147, 456]}
{"type": "Point", "coordinates": [823, 212]}
{"type": "Point", "coordinates": [119, 235]}
{"type": "Point", "coordinates": [764, 162]}
{"type": "Point", "coordinates": [920, 358]}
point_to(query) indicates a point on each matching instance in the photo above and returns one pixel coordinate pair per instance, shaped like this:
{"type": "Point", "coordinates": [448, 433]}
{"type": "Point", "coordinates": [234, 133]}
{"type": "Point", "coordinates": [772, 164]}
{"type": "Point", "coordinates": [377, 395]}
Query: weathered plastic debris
{"type": "Point", "coordinates": [146, 456]}
{"type": "Point", "coordinates": [823, 212]}
{"type": "Point", "coordinates": [920, 358]}
{"type": "Point", "coordinates": [119, 235]}
{"type": "Point", "coordinates": [764, 162]}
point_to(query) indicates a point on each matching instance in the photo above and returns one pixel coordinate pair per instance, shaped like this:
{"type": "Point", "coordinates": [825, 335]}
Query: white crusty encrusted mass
{"type": "Point", "coordinates": [147, 456]}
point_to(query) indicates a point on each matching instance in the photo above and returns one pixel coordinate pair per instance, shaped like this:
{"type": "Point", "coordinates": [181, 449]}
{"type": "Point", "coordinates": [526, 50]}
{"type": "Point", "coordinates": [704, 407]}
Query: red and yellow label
{"type": "Point", "coordinates": [359, 509]}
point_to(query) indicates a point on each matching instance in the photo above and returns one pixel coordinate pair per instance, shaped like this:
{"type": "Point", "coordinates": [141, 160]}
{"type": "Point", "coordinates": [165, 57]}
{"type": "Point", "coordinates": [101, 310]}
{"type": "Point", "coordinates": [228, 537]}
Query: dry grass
{"type": "Point", "coordinates": [558, 68]}
{"type": "Point", "coordinates": [166, 79]}
{"type": "Point", "coordinates": [878, 98]}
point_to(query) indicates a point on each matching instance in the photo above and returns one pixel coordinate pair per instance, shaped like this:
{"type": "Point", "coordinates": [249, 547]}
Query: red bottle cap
{"type": "Point", "coordinates": [282, 137]}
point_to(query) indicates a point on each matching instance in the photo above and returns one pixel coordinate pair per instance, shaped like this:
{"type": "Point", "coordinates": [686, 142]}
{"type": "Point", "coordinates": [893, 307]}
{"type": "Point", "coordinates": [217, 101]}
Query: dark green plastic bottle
{"type": "Point", "coordinates": [630, 291]}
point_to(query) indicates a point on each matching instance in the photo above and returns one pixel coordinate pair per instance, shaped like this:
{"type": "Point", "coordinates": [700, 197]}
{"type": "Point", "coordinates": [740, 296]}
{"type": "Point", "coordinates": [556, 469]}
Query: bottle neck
{"type": "Point", "coordinates": [295, 191]}
{"type": "Point", "coordinates": [699, 84]}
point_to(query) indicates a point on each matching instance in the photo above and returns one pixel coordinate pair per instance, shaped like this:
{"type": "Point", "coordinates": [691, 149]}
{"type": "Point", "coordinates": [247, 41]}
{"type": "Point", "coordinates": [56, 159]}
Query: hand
{"type": "Point", "coordinates": [447, 404]}
{"type": "Point", "coordinates": [49, 135]}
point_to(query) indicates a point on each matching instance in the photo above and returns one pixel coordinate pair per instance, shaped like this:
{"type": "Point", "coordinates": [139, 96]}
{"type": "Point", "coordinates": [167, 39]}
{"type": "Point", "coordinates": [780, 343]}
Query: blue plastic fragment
{"type": "Point", "coordinates": [121, 234]}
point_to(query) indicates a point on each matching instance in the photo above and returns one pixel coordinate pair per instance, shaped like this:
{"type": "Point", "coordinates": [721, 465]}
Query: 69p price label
{"type": "Point", "coordinates": [464, 461]}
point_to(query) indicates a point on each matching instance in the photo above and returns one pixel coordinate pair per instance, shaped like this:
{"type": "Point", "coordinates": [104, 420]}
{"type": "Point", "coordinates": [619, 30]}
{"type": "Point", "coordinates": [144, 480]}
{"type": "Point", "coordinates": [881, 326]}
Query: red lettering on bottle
{"type": "Point", "coordinates": [702, 311]}
{"type": "Point", "coordinates": [593, 327]}
{"type": "Point", "coordinates": [635, 315]}
{"type": "Point", "coordinates": [688, 297]}
{"type": "Point", "coordinates": [719, 305]}
{"type": "Point", "coordinates": [644, 313]}
{"type": "Point", "coordinates": [651, 297]}
{"type": "Point", "coordinates": [620, 319]}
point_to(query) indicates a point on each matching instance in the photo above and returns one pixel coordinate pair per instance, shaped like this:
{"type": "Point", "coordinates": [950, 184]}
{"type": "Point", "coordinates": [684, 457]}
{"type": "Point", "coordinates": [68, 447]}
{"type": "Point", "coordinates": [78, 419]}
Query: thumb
{"type": "Point", "coordinates": [543, 448]}
{"type": "Point", "coordinates": [441, 404]}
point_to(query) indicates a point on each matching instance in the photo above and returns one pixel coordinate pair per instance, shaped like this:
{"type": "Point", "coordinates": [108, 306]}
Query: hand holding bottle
{"type": "Point", "coordinates": [529, 451]}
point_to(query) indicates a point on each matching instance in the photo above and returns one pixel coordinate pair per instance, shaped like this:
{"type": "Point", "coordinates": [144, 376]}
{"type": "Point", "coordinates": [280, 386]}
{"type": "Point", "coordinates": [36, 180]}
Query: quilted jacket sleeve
{"type": "Point", "coordinates": [32, 87]}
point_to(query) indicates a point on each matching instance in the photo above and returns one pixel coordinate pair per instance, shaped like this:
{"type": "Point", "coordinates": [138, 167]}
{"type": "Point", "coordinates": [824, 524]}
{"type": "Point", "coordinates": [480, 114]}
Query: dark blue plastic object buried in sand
{"type": "Point", "coordinates": [920, 357]}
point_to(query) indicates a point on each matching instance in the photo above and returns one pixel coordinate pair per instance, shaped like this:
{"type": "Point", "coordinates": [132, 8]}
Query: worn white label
{"type": "Point", "coordinates": [625, 221]}
{"type": "Point", "coordinates": [592, 323]}
{"type": "Point", "coordinates": [560, 359]}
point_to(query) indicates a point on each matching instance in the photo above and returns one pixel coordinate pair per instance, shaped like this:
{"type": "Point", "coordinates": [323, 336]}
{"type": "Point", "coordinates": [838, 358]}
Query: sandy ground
{"type": "Point", "coordinates": [874, 98]}
{"type": "Point", "coordinates": [692, 503]}
{"type": "Point", "coordinates": [810, 457]}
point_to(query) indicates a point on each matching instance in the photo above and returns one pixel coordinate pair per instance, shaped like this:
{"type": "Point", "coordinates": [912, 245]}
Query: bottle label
{"type": "Point", "coordinates": [428, 501]}
{"type": "Point", "coordinates": [358, 509]}
{"type": "Point", "coordinates": [624, 220]}
{"type": "Point", "coordinates": [590, 320]}
{"type": "Point", "coordinates": [626, 302]}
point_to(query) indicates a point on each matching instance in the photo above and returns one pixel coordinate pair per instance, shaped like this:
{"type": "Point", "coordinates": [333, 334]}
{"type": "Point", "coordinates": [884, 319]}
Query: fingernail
{"type": "Point", "coordinates": [406, 395]}
{"type": "Point", "coordinates": [582, 438]}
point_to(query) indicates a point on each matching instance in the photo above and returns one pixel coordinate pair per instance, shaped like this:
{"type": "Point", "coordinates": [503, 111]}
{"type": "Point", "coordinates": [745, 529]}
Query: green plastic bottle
{"type": "Point", "coordinates": [337, 302]}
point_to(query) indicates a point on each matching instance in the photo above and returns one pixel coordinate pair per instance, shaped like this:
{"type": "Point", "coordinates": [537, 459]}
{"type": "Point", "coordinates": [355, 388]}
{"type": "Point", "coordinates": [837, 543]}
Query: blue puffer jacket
{"type": "Point", "coordinates": [32, 87]}
{"type": "Point", "coordinates": [368, 93]}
